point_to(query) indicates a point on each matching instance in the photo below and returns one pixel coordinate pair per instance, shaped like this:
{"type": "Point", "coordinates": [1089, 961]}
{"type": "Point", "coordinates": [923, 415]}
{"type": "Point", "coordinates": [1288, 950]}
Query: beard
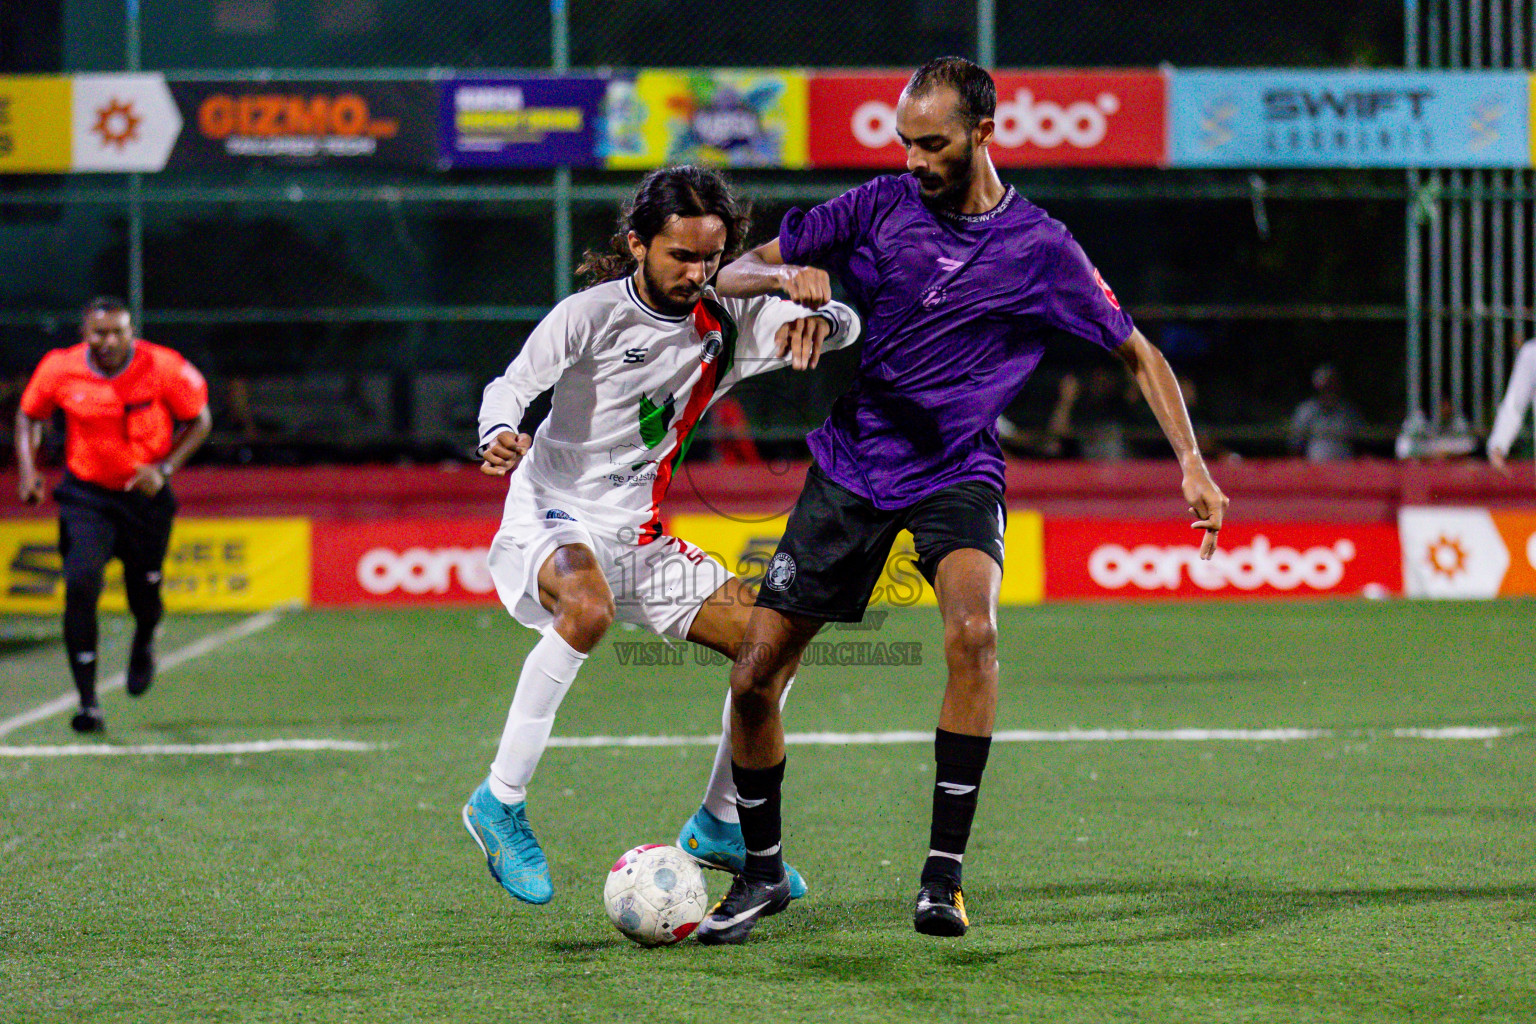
{"type": "Point", "coordinates": [670, 304]}
{"type": "Point", "coordinates": [949, 196]}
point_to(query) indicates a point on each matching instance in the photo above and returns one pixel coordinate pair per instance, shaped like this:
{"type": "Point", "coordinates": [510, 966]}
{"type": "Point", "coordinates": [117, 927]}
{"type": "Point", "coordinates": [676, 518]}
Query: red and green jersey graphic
{"type": "Point", "coordinates": [717, 332]}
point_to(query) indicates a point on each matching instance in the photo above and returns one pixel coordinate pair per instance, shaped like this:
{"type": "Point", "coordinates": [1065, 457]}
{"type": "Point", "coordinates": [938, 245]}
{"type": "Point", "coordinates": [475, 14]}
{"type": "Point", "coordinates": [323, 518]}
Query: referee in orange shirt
{"type": "Point", "coordinates": [133, 414]}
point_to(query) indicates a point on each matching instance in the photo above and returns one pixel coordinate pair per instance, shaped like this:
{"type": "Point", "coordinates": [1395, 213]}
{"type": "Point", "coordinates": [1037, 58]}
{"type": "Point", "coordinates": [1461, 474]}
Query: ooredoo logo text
{"type": "Point", "coordinates": [1020, 121]}
{"type": "Point", "coordinates": [420, 570]}
{"type": "Point", "coordinates": [1042, 118]}
{"type": "Point", "coordinates": [1249, 567]}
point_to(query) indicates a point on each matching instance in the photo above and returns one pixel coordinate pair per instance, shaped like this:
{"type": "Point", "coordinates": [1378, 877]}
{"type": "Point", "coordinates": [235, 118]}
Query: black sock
{"type": "Point", "coordinates": [143, 642]}
{"type": "Point", "coordinates": [757, 798]}
{"type": "Point", "coordinates": [961, 760]}
{"type": "Point", "coordinates": [82, 665]}
{"type": "Point", "coordinates": [80, 642]}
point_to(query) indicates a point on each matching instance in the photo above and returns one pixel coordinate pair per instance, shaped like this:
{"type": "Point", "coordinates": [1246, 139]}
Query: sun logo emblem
{"type": "Point", "coordinates": [117, 124]}
{"type": "Point", "coordinates": [1447, 557]}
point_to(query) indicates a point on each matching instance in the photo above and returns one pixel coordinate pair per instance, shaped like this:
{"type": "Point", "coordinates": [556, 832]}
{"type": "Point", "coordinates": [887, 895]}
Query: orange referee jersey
{"type": "Point", "coordinates": [113, 425]}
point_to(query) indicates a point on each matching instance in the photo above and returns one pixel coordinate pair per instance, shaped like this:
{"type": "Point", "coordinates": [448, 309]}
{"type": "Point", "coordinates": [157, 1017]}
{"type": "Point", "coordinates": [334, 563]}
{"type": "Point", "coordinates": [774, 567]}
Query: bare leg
{"type": "Point", "coordinates": [720, 625]}
{"type": "Point", "coordinates": [968, 582]}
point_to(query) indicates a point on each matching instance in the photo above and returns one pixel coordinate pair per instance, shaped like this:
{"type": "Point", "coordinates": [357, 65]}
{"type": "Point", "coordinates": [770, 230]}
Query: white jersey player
{"type": "Point", "coordinates": [635, 362]}
{"type": "Point", "coordinates": [1518, 397]}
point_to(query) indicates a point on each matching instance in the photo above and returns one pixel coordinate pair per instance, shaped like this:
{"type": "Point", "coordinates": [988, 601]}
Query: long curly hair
{"type": "Point", "coordinates": [685, 191]}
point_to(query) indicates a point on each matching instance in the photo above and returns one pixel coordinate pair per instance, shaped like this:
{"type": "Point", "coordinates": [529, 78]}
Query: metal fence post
{"type": "Point", "coordinates": [135, 183]}
{"type": "Point", "coordinates": [986, 32]}
{"type": "Point", "coordinates": [560, 62]}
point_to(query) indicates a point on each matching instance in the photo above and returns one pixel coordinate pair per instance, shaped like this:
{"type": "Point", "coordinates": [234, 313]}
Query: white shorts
{"type": "Point", "coordinates": [660, 585]}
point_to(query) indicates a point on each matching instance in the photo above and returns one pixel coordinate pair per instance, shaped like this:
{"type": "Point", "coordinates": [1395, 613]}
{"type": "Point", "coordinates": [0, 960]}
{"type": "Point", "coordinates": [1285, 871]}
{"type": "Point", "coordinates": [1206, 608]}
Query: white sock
{"type": "Point", "coordinates": [547, 674]}
{"type": "Point", "coordinates": [720, 794]}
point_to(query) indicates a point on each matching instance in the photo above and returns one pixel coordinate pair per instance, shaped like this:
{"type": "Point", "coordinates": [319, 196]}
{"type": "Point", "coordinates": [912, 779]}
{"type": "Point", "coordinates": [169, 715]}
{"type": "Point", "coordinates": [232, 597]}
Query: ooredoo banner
{"type": "Point", "coordinates": [1139, 560]}
{"type": "Point", "coordinates": [403, 561]}
{"type": "Point", "coordinates": [1468, 552]}
{"type": "Point", "coordinates": [1044, 118]}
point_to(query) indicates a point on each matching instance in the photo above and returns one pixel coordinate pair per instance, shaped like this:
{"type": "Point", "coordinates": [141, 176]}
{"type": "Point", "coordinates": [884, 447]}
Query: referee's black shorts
{"type": "Point", "coordinates": [97, 524]}
{"type": "Point", "coordinates": [837, 544]}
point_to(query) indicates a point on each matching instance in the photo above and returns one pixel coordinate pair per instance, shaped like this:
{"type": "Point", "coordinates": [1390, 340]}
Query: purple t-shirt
{"type": "Point", "coordinates": [957, 312]}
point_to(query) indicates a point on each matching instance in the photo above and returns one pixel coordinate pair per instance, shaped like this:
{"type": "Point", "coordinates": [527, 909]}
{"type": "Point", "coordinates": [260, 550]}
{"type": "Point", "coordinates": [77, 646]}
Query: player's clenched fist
{"type": "Point", "coordinates": [504, 452]}
{"type": "Point", "coordinates": [809, 286]}
{"type": "Point", "coordinates": [801, 341]}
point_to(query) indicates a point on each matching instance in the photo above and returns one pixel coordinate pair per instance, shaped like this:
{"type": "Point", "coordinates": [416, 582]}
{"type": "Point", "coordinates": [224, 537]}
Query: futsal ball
{"type": "Point", "coordinates": [655, 895]}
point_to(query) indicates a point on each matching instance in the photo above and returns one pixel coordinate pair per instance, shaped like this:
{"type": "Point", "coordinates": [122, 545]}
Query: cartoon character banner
{"type": "Point", "coordinates": [715, 117]}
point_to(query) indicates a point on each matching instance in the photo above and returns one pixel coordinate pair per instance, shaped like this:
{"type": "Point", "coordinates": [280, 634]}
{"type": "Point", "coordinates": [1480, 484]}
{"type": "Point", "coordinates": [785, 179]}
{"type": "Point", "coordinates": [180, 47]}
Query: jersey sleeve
{"type": "Point", "coordinates": [183, 387]}
{"type": "Point", "coordinates": [40, 398]}
{"type": "Point", "coordinates": [758, 321]}
{"type": "Point", "coordinates": [1517, 398]}
{"type": "Point", "coordinates": [1073, 295]}
{"type": "Point", "coordinates": [557, 342]}
{"type": "Point", "coordinates": [825, 233]}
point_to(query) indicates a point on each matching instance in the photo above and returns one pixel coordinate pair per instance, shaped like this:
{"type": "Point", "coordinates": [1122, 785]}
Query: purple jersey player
{"type": "Point", "coordinates": [961, 282]}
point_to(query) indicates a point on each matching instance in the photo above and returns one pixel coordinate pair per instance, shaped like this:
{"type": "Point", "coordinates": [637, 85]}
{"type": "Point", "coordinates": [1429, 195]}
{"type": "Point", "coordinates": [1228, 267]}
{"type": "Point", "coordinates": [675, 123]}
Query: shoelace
{"type": "Point", "coordinates": [515, 833]}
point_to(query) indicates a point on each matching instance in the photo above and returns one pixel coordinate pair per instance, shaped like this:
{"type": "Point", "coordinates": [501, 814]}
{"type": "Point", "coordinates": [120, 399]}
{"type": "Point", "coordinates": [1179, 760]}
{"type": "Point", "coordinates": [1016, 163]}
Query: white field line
{"type": "Point", "coordinates": [196, 649]}
{"type": "Point", "coordinates": [844, 739]}
{"type": "Point", "coordinates": [252, 747]}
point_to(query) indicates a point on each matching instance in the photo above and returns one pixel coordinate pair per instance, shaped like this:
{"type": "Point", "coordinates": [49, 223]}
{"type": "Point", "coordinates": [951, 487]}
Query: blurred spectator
{"type": "Point", "coordinates": [1089, 419]}
{"type": "Point", "coordinates": [1325, 426]}
{"type": "Point", "coordinates": [1517, 398]}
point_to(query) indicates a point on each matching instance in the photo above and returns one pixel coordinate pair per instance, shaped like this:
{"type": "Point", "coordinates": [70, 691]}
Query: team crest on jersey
{"type": "Point", "coordinates": [713, 342]}
{"type": "Point", "coordinates": [556, 513]}
{"type": "Point", "coordinates": [781, 571]}
{"type": "Point", "coordinates": [1108, 292]}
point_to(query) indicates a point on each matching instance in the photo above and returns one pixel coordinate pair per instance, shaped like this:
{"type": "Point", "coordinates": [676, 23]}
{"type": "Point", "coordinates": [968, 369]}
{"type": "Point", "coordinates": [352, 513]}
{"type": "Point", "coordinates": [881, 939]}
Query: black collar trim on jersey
{"type": "Point", "coordinates": [1009, 195]}
{"type": "Point", "coordinates": [629, 287]}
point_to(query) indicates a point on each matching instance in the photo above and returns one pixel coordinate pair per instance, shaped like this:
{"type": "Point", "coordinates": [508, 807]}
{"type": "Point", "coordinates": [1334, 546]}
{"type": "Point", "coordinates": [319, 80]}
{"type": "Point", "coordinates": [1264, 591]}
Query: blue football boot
{"type": "Point", "coordinates": [718, 844]}
{"type": "Point", "coordinates": [511, 851]}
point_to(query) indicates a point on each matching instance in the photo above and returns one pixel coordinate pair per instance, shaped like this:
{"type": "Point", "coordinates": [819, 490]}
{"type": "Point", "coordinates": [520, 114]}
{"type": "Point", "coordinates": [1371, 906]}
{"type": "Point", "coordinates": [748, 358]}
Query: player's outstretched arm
{"type": "Point", "coordinates": [762, 271]}
{"type": "Point", "coordinates": [1161, 389]}
{"type": "Point", "coordinates": [29, 438]}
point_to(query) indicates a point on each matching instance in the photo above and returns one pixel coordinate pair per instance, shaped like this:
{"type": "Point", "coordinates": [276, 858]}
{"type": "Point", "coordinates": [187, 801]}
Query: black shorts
{"type": "Point", "coordinates": [837, 544]}
{"type": "Point", "coordinates": [97, 524]}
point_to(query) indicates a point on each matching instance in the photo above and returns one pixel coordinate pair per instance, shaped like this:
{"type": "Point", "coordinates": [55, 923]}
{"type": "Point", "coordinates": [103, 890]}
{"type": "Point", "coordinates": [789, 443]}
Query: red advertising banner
{"type": "Point", "coordinates": [1090, 558]}
{"type": "Point", "coordinates": [1044, 119]}
{"type": "Point", "coordinates": [402, 561]}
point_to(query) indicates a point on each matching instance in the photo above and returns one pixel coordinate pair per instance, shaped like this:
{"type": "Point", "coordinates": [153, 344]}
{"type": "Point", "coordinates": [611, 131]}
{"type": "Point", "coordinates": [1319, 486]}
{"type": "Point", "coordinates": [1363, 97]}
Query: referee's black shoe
{"type": "Point", "coordinates": [88, 720]}
{"type": "Point", "coordinates": [728, 923]}
{"type": "Point", "coordinates": [940, 909]}
{"type": "Point", "coordinates": [141, 671]}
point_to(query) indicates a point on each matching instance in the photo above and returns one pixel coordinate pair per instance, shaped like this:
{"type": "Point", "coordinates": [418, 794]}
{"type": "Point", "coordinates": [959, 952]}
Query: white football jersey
{"type": "Point", "coordinates": [631, 384]}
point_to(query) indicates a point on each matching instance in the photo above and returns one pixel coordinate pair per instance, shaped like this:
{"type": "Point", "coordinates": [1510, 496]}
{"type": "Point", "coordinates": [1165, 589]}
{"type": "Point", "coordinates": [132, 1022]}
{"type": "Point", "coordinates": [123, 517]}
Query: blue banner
{"type": "Point", "coordinates": [522, 122]}
{"type": "Point", "coordinates": [1263, 118]}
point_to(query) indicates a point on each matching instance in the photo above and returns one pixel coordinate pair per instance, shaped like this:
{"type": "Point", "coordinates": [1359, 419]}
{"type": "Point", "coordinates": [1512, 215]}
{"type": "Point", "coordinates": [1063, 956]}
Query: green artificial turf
{"type": "Point", "coordinates": [1354, 877]}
